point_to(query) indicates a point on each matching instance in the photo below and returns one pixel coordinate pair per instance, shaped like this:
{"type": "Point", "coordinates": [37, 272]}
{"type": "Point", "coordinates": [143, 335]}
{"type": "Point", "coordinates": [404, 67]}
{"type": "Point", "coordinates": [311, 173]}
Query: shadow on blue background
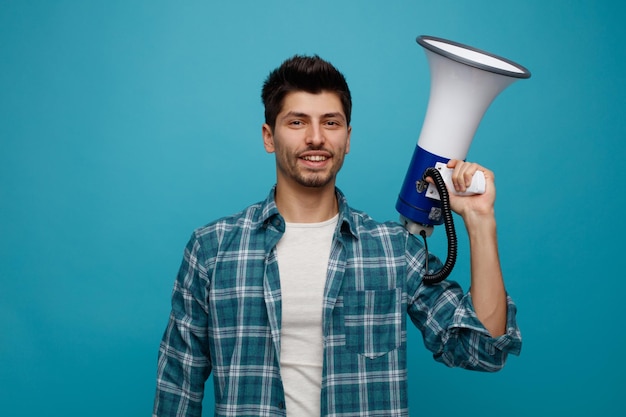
{"type": "Point", "coordinates": [124, 125]}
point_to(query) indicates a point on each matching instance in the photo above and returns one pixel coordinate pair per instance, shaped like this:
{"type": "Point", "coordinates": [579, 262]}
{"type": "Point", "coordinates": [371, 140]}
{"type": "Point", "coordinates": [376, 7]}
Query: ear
{"type": "Point", "coordinates": [348, 141]}
{"type": "Point", "coordinates": [268, 138]}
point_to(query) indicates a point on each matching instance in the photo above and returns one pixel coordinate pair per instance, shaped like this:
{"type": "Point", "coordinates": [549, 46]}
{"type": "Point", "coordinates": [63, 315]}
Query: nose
{"type": "Point", "coordinates": [315, 136]}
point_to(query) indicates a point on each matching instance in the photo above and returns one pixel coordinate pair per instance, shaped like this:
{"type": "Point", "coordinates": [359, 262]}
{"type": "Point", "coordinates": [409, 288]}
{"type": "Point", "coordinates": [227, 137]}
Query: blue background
{"type": "Point", "coordinates": [126, 124]}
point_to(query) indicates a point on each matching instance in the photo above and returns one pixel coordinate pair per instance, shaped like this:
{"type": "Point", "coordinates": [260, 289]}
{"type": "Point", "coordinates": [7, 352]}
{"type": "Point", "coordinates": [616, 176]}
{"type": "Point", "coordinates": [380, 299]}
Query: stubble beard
{"type": "Point", "coordinates": [311, 179]}
{"type": "Point", "coordinates": [314, 180]}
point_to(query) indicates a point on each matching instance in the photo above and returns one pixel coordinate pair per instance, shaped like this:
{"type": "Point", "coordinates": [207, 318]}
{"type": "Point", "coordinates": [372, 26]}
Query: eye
{"type": "Point", "coordinates": [296, 123]}
{"type": "Point", "coordinates": [333, 123]}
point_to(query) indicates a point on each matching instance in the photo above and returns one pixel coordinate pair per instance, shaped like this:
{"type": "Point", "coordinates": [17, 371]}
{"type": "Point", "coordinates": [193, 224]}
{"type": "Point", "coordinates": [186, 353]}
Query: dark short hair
{"type": "Point", "coordinates": [311, 74]}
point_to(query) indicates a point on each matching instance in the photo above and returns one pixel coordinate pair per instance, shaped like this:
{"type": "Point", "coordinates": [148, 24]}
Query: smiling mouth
{"type": "Point", "coordinates": [315, 158]}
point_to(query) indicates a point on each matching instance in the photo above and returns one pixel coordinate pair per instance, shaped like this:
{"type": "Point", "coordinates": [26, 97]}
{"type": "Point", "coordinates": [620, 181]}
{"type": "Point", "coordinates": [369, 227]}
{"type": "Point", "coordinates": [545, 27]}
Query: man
{"type": "Point", "coordinates": [299, 303]}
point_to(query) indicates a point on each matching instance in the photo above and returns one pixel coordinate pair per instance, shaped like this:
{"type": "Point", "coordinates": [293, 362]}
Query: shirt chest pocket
{"type": "Point", "coordinates": [373, 321]}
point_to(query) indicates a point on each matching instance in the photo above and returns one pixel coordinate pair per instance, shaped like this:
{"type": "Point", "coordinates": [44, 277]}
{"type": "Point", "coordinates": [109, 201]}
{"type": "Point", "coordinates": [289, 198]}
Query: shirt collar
{"type": "Point", "coordinates": [346, 223]}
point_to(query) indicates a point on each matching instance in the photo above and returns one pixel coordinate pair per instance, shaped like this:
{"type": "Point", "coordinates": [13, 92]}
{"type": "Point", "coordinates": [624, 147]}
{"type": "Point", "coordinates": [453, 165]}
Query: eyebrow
{"type": "Point", "coordinates": [306, 115]}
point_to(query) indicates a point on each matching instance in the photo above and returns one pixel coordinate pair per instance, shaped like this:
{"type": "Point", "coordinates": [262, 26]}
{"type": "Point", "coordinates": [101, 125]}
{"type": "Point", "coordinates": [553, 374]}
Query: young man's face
{"type": "Point", "coordinates": [310, 139]}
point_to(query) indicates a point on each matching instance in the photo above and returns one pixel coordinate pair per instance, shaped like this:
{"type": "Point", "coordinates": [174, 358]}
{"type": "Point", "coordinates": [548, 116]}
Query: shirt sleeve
{"type": "Point", "coordinates": [184, 362]}
{"type": "Point", "coordinates": [445, 315]}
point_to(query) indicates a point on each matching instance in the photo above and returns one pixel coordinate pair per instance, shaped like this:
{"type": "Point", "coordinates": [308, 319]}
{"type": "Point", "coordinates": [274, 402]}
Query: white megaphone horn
{"type": "Point", "coordinates": [464, 82]}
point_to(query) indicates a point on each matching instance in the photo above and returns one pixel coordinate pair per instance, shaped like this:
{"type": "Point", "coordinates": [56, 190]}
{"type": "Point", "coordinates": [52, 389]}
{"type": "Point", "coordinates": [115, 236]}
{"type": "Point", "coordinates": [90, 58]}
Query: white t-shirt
{"type": "Point", "coordinates": [303, 254]}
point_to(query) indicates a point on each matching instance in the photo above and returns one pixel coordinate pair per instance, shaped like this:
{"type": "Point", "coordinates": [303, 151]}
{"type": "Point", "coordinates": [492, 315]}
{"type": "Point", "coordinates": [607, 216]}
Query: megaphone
{"type": "Point", "coordinates": [464, 82]}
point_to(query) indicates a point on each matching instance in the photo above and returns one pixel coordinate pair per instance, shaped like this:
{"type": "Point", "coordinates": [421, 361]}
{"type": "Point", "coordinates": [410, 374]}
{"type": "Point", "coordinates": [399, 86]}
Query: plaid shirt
{"type": "Point", "coordinates": [226, 319]}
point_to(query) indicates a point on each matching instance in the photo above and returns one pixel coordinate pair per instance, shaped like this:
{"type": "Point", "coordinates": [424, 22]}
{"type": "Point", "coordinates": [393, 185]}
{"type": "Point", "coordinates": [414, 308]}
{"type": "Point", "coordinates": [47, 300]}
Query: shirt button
{"type": "Point", "coordinates": [281, 405]}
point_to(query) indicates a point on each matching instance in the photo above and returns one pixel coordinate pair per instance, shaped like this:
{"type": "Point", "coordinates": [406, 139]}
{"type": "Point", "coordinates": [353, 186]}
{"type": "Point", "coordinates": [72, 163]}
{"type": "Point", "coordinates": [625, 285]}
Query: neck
{"type": "Point", "coordinates": [306, 204]}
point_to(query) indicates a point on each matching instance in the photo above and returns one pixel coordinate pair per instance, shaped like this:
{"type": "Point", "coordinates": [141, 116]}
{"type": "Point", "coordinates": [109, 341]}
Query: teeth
{"type": "Point", "coordinates": [315, 158]}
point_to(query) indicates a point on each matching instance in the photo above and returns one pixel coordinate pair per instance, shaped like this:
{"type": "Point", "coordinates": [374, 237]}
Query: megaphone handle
{"type": "Point", "coordinates": [448, 222]}
{"type": "Point", "coordinates": [477, 185]}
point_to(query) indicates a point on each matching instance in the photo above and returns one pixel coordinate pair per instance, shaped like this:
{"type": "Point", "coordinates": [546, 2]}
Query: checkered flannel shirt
{"type": "Point", "coordinates": [226, 319]}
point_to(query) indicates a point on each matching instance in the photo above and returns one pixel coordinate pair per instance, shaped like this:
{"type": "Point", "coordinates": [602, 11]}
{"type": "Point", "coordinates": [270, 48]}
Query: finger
{"type": "Point", "coordinates": [468, 173]}
{"type": "Point", "coordinates": [452, 163]}
{"type": "Point", "coordinates": [457, 167]}
{"type": "Point", "coordinates": [463, 175]}
{"type": "Point", "coordinates": [459, 176]}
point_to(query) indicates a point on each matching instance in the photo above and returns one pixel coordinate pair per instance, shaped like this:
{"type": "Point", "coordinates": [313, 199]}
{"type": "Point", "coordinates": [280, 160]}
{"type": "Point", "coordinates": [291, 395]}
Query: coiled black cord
{"type": "Point", "coordinates": [446, 212]}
